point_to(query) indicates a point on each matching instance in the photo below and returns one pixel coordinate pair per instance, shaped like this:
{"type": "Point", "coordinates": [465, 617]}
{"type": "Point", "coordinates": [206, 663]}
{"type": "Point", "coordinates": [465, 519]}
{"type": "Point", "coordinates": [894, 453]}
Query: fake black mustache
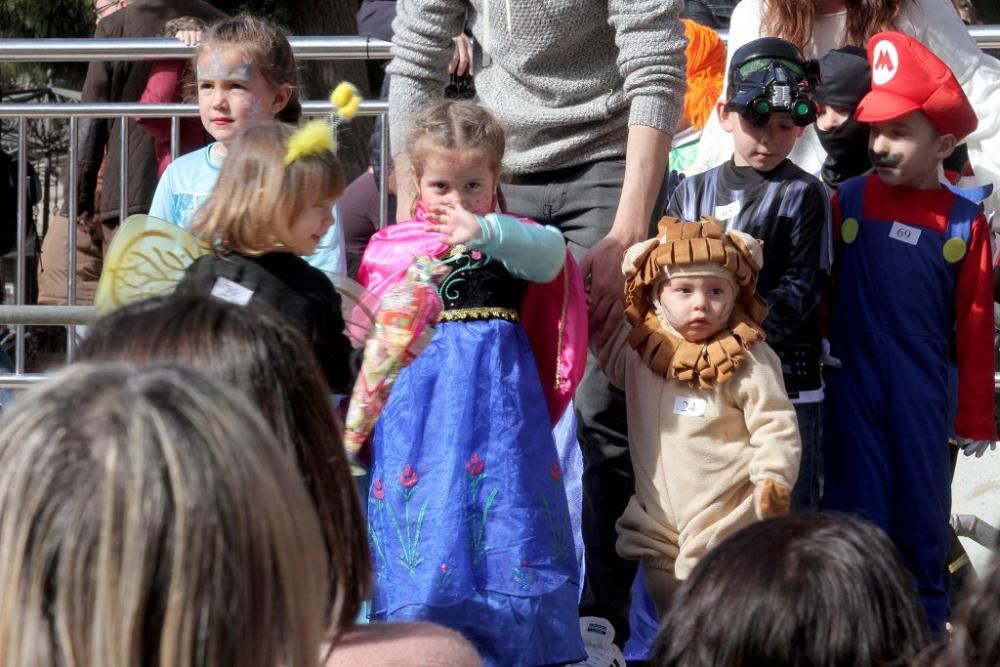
{"type": "Point", "coordinates": [890, 160]}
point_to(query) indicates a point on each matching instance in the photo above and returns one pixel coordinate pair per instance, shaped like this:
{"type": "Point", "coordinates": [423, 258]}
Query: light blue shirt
{"type": "Point", "coordinates": [186, 185]}
{"type": "Point", "coordinates": [530, 252]}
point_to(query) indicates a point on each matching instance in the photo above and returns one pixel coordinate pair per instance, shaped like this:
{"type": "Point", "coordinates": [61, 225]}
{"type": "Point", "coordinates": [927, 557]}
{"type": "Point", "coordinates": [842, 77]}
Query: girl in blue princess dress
{"type": "Point", "coordinates": [467, 512]}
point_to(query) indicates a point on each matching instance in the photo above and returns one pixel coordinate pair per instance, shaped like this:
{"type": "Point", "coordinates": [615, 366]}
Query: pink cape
{"type": "Point", "coordinates": [553, 314]}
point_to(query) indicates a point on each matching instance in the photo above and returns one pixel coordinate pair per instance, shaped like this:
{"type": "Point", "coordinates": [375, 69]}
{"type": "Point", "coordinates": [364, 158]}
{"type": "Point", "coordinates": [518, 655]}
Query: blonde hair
{"type": "Point", "coordinates": [451, 125]}
{"type": "Point", "coordinates": [257, 198]}
{"type": "Point", "coordinates": [148, 517]}
{"type": "Point", "coordinates": [266, 46]}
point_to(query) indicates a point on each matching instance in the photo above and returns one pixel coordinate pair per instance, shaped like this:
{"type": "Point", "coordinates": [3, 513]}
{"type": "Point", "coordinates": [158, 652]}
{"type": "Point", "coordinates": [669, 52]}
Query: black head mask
{"type": "Point", "coordinates": [845, 78]}
{"type": "Point", "coordinates": [846, 149]}
{"type": "Point", "coordinates": [768, 75]}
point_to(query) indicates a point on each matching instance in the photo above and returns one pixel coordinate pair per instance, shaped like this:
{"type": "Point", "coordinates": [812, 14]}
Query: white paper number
{"type": "Point", "coordinates": [904, 233]}
{"type": "Point", "coordinates": [692, 407]}
{"type": "Point", "coordinates": [227, 290]}
{"type": "Point", "coordinates": [730, 210]}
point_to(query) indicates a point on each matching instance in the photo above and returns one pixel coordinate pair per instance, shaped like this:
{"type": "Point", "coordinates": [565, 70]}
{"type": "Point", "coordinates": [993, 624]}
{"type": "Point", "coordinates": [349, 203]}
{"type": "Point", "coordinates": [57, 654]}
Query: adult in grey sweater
{"type": "Point", "coordinates": [590, 92]}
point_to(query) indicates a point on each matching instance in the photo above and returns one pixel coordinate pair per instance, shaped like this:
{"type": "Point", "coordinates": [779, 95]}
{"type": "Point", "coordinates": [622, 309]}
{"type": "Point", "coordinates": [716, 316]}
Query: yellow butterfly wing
{"type": "Point", "coordinates": [147, 257]}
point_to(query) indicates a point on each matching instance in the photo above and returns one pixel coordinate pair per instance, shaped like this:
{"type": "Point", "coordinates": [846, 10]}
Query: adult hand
{"type": "Point", "coordinates": [605, 284]}
{"type": "Point", "coordinates": [461, 58]}
{"type": "Point", "coordinates": [188, 37]}
{"type": "Point", "coordinates": [454, 223]}
{"type": "Point", "coordinates": [645, 167]}
{"type": "Point", "coordinates": [89, 223]}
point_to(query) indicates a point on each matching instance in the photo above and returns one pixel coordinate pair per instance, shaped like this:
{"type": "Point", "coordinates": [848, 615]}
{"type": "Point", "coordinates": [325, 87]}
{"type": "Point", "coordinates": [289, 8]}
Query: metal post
{"type": "Point", "coordinates": [22, 229]}
{"type": "Point", "coordinates": [175, 137]}
{"type": "Point", "coordinates": [46, 195]}
{"type": "Point", "coordinates": [123, 170]}
{"type": "Point", "coordinates": [383, 174]}
{"type": "Point", "coordinates": [74, 124]}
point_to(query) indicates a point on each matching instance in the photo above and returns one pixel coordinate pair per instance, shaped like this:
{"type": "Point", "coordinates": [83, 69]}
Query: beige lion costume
{"type": "Point", "coordinates": [706, 421]}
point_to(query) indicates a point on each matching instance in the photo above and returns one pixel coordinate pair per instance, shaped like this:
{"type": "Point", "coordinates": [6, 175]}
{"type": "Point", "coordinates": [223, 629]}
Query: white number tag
{"type": "Point", "coordinates": [227, 290]}
{"type": "Point", "coordinates": [904, 233]}
{"type": "Point", "coordinates": [730, 210]}
{"type": "Point", "coordinates": [692, 407]}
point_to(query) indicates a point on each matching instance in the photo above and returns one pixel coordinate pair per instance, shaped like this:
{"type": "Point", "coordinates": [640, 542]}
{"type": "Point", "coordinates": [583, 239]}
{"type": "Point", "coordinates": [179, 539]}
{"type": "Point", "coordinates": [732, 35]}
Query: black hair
{"type": "Point", "coordinates": [975, 639]}
{"type": "Point", "coordinates": [817, 590]}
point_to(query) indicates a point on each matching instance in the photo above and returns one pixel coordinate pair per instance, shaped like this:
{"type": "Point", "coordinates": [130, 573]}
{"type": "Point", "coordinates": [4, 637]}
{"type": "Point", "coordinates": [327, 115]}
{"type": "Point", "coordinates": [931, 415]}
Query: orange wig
{"type": "Point", "coordinates": [706, 64]}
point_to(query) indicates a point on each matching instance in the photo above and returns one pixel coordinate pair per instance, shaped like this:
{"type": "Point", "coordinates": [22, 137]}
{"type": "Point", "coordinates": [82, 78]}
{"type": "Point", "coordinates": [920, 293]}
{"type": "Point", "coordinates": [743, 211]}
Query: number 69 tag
{"type": "Point", "coordinates": [904, 233]}
{"type": "Point", "coordinates": [689, 406]}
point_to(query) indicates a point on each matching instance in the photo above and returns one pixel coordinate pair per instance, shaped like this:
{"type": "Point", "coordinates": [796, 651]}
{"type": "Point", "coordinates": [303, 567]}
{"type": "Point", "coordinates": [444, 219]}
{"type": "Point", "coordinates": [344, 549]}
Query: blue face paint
{"type": "Point", "coordinates": [218, 68]}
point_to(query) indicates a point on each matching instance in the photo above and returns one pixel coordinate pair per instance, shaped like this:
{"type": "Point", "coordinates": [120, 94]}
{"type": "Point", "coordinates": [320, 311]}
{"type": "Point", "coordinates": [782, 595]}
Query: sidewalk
{"type": "Point", "coordinates": [976, 490]}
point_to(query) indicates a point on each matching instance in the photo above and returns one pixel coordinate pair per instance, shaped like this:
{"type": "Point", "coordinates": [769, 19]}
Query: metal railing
{"type": "Point", "coordinates": [153, 48]}
{"type": "Point", "coordinates": [84, 50]}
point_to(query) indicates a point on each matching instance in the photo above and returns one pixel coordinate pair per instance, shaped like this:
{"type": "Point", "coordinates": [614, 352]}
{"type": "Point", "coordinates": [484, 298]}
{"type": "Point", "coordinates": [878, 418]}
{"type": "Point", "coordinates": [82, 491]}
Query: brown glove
{"type": "Point", "coordinates": [771, 499]}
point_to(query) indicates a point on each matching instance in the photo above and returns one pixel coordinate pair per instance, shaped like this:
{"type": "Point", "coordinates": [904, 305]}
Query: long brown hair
{"type": "Point", "coordinates": [793, 19]}
{"type": "Point", "coordinates": [149, 517]}
{"type": "Point", "coordinates": [256, 352]}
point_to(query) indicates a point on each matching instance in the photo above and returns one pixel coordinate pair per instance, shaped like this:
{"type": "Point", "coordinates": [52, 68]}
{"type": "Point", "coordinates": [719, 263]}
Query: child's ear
{"type": "Point", "coordinates": [281, 98]}
{"type": "Point", "coordinates": [725, 117]}
{"type": "Point", "coordinates": [944, 145]}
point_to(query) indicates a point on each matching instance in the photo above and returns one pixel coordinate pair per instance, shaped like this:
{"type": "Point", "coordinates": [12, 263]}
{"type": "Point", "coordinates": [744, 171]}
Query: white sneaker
{"type": "Point", "coordinates": [598, 638]}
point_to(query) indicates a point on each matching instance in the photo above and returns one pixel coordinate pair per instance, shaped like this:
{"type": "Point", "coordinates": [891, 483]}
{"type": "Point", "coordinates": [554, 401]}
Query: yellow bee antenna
{"type": "Point", "coordinates": [319, 136]}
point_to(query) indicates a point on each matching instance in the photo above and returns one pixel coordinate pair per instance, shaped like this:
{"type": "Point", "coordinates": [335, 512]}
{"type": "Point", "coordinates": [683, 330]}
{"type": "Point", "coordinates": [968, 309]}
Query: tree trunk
{"type": "Point", "coordinates": [335, 17]}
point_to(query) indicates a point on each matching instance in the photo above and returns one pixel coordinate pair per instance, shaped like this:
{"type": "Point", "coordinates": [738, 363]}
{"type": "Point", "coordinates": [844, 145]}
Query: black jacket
{"type": "Point", "coordinates": [124, 81]}
{"type": "Point", "coordinates": [302, 294]}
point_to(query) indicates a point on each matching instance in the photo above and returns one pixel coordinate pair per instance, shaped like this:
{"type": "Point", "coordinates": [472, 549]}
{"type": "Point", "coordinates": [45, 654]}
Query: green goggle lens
{"type": "Point", "coordinates": [757, 64]}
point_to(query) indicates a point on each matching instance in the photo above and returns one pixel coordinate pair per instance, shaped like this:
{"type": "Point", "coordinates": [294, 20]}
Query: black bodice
{"type": "Point", "coordinates": [478, 282]}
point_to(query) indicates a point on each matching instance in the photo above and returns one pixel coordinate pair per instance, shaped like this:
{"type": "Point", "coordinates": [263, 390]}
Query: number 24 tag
{"type": "Point", "coordinates": [692, 407]}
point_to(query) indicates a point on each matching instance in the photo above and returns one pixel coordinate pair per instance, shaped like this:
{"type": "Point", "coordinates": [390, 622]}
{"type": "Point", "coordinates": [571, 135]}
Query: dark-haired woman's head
{"type": "Point", "coordinates": [804, 590]}
{"type": "Point", "coordinates": [255, 351]}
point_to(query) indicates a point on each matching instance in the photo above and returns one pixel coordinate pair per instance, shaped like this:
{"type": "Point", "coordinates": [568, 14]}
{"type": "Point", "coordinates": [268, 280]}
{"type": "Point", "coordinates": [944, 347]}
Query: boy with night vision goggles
{"type": "Point", "coordinates": [759, 191]}
{"type": "Point", "coordinates": [769, 75]}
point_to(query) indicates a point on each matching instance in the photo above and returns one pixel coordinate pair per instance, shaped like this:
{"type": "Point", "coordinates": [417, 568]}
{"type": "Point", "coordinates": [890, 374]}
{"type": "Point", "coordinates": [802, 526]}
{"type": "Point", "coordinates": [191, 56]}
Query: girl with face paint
{"type": "Point", "coordinates": [845, 77]}
{"type": "Point", "coordinates": [246, 74]}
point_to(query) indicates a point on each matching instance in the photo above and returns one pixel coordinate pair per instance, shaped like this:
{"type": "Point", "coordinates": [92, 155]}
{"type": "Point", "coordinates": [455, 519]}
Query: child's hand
{"type": "Point", "coordinates": [771, 499]}
{"type": "Point", "coordinates": [975, 448]}
{"type": "Point", "coordinates": [453, 222]}
{"type": "Point", "coordinates": [188, 37]}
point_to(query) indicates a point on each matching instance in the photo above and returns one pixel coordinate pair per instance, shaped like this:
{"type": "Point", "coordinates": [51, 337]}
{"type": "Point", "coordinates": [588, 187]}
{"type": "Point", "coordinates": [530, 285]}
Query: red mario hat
{"type": "Point", "coordinates": [907, 77]}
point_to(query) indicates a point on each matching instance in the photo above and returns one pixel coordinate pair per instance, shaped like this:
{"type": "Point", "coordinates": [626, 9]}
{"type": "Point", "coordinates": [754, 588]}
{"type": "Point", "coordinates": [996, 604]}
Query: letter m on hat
{"type": "Point", "coordinates": [885, 62]}
{"type": "Point", "coordinates": [907, 77]}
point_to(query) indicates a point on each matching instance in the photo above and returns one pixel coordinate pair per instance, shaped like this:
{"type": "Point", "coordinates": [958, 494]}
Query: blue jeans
{"type": "Point", "coordinates": [808, 488]}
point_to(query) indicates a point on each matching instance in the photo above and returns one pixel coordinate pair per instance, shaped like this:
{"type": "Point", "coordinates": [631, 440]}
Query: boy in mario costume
{"type": "Point", "coordinates": [913, 292]}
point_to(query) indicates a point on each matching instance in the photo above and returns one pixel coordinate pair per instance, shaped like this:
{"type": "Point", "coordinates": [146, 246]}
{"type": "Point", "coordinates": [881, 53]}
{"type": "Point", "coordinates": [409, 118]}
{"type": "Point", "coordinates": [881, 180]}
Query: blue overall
{"type": "Point", "coordinates": [890, 408]}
